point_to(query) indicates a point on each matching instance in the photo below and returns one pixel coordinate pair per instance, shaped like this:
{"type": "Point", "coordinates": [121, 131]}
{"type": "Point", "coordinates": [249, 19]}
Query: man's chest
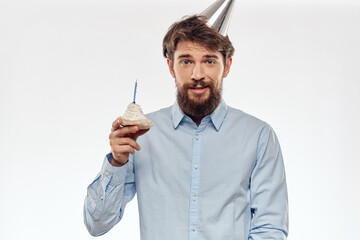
{"type": "Point", "coordinates": [207, 160]}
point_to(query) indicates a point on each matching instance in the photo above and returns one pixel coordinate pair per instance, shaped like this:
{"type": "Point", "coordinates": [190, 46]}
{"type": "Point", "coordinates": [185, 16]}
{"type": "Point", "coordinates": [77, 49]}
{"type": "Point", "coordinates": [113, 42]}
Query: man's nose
{"type": "Point", "coordinates": [197, 73]}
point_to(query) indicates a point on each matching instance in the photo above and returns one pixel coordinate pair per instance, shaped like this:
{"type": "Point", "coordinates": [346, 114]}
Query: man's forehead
{"type": "Point", "coordinates": [191, 48]}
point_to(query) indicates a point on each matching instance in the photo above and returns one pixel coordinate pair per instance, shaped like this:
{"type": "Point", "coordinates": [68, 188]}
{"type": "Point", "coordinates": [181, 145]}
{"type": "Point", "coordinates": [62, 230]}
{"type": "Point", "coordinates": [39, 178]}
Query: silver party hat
{"type": "Point", "coordinates": [218, 15]}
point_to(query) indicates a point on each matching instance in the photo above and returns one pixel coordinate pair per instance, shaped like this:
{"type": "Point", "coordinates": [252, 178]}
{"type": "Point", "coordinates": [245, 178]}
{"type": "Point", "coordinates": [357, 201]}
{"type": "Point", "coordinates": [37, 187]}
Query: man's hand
{"type": "Point", "coordinates": [123, 141]}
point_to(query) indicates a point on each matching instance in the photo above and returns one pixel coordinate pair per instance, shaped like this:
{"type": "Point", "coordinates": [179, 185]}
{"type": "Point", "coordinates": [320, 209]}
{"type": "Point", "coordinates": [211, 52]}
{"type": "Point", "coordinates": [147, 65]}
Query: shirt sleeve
{"type": "Point", "coordinates": [268, 191]}
{"type": "Point", "coordinates": [108, 195]}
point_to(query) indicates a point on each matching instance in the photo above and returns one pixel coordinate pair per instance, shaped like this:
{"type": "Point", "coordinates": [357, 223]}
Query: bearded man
{"type": "Point", "coordinates": [205, 170]}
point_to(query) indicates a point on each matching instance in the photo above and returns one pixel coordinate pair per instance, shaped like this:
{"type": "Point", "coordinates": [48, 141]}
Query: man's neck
{"type": "Point", "coordinates": [197, 120]}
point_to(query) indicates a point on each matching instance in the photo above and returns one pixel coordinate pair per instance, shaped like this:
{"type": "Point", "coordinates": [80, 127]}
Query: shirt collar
{"type": "Point", "coordinates": [217, 117]}
{"type": "Point", "coordinates": [177, 114]}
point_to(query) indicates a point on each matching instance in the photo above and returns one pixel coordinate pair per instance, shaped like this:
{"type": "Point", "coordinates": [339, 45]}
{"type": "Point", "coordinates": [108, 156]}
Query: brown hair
{"type": "Point", "coordinates": [195, 29]}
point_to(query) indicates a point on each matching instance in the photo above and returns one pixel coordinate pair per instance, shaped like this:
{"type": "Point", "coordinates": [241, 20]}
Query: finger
{"type": "Point", "coordinates": [124, 131]}
{"type": "Point", "coordinates": [122, 150]}
{"type": "Point", "coordinates": [116, 124]}
{"type": "Point", "coordinates": [140, 132]}
{"type": "Point", "coordinates": [125, 141]}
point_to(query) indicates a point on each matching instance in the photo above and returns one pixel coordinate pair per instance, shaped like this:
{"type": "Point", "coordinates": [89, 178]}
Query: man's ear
{"type": "Point", "coordinates": [171, 67]}
{"type": "Point", "coordinates": [227, 67]}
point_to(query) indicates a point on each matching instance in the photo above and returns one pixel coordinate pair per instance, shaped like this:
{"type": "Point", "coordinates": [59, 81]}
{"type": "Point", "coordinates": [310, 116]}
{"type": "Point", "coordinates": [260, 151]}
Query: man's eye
{"type": "Point", "coordinates": [185, 62]}
{"type": "Point", "coordinates": [210, 61]}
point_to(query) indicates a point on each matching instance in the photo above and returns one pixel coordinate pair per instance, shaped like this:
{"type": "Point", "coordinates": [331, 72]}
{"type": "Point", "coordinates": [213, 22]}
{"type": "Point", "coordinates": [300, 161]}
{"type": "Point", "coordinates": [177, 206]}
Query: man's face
{"type": "Point", "coordinates": [198, 74]}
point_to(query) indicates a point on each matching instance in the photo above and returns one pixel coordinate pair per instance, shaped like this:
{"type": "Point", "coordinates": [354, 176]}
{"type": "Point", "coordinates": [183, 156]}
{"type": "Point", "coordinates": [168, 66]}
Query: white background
{"type": "Point", "coordinates": [67, 70]}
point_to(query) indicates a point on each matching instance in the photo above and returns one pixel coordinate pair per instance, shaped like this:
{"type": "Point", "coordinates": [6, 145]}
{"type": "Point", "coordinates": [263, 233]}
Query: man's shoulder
{"type": "Point", "coordinates": [159, 113]}
{"type": "Point", "coordinates": [245, 121]}
{"type": "Point", "coordinates": [240, 115]}
{"type": "Point", "coordinates": [163, 114]}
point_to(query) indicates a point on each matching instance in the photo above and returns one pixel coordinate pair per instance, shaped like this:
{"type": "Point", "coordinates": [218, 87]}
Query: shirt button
{"type": "Point", "coordinates": [193, 228]}
{"type": "Point", "coordinates": [107, 173]}
{"type": "Point", "coordinates": [197, 137]}
{"type": "Point", "coordinates": [196, 166]}
{"type": "Point", "coordinates": [102, 197]}
{"type": "Point", "coordinates": [194, 198]}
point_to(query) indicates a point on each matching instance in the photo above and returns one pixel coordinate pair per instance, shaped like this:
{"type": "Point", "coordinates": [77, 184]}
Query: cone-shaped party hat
{"type": "Point", "coordinates": [218, 15]}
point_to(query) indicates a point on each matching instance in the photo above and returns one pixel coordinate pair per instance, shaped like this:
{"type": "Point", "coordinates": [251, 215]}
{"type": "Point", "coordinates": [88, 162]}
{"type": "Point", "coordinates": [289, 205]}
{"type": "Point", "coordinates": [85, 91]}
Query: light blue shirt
{"type": "Point", "coordinates": [223, 179]}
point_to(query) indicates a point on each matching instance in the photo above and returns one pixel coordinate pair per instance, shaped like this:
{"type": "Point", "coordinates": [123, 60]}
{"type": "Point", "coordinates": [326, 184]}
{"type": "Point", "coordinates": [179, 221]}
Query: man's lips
{"type": "Point", "coordinates": [199, 90]}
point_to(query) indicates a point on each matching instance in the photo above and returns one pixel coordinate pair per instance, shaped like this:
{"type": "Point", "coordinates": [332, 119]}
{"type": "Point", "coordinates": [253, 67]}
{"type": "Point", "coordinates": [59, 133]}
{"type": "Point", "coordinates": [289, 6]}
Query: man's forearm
{"type": "Point", "coordinates": [107, 197]}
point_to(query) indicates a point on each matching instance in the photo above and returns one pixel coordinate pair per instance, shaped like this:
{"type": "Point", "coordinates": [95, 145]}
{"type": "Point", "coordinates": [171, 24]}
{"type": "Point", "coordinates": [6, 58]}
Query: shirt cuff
{"type": "Point", "coordinates": [116, 174]}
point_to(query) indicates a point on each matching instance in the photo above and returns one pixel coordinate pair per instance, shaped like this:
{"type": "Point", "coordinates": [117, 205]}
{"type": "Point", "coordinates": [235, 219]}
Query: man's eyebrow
{"type": "Point", "coordinates": [184, 56]}
{"type": "Point", "coordinates": [211, 56]}
{"type": "Point", "coordinates": [189, 56]}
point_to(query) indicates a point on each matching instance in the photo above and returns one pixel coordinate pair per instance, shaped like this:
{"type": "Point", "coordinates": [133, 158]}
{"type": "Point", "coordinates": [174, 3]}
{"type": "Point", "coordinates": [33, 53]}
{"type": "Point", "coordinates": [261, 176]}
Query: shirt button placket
{"type": "Point", "coordinates": [195, 188]}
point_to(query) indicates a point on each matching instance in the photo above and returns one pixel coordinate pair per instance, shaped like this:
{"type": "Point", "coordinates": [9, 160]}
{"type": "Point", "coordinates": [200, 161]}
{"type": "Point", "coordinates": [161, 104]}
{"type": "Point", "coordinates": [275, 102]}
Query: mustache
{"type": "Point", "coordinates": [202, 83]}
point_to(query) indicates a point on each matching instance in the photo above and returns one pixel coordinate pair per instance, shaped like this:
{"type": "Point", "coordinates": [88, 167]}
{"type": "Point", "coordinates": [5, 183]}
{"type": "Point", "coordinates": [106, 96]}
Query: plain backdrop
{"type": "Point", "coordinates": [67, 70]}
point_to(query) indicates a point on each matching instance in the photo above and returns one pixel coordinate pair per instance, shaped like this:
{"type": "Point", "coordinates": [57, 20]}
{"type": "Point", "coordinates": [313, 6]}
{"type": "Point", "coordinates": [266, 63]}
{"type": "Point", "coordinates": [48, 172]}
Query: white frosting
{"type": "Point", "coordinates": [134, 116]}
{"type": "Point", "coordinates": [134, 112]}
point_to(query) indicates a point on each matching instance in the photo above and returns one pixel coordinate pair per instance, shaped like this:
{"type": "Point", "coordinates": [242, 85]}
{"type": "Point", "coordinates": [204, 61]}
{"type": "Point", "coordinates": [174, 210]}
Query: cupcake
{"type": "Point", "coordinates": [135, 116]}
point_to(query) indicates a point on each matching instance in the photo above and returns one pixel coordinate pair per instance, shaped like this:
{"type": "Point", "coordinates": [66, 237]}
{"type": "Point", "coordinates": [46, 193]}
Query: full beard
{"type": "Point", "coordinates": [198, 107]}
